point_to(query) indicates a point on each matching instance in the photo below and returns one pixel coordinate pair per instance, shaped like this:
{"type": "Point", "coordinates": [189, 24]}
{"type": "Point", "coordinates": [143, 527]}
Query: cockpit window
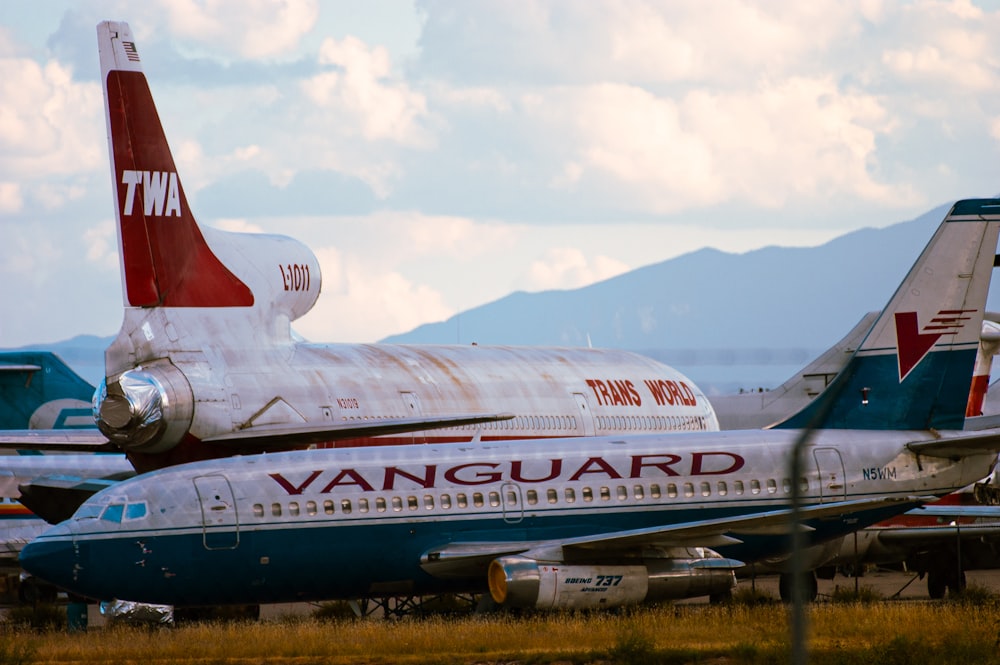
{"type": "Point", "coordinates": [117, 512]}
{"type": "Point", "coordinates": [88, 511]}
{"type": "Point", "coordinates": [135, 511]}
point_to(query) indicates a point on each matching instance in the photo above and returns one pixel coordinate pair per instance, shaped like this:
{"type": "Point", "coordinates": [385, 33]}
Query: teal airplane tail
{"type": "Point", "coordinates": [914, 369]}
{"type": "Point", "coordinates": [39, 391]}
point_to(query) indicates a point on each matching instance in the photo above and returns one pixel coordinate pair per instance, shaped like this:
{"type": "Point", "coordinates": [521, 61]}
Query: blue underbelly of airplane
{"type": "Point", "coordinates": [318, 559]}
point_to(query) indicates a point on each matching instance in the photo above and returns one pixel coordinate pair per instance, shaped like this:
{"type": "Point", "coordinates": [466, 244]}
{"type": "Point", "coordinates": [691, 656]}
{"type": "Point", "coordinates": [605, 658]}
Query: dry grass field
{"type": "Point", "coordinates": [843, 629]}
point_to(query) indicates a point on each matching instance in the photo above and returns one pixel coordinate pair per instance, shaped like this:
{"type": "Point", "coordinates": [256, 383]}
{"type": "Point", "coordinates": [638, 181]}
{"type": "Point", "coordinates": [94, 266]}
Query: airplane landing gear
{"type": "Point", "coordinates": [810, 586]}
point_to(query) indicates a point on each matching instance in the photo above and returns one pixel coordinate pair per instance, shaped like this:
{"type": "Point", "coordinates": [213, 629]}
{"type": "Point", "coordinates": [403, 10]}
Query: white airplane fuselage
{"type": "Point", "coordinates": [346, 523]}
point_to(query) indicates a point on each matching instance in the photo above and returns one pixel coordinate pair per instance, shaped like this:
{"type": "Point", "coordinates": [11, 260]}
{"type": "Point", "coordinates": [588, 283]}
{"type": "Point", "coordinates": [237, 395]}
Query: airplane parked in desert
{"type": "Point", "coordinates": [206, 365]}
{"type": "Point", "coordinates": [594, 522]}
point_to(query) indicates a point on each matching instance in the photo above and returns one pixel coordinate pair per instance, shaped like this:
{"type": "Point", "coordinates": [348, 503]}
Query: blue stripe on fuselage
{"type": "Point", "coordinates": [306, 560]}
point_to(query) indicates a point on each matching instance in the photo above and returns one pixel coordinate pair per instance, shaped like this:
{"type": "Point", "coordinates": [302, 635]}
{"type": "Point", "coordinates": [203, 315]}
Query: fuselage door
{"type": "Point", "coordinates": [219, 521]}
{"type": "Point", "coordinates": [586, 417]}
{"type": "Point", "coordinates": [411, 405]}
{"type": "Point", "coordinates": [512, 502]}
{"type": "Point", "coordinates": [830, 466]}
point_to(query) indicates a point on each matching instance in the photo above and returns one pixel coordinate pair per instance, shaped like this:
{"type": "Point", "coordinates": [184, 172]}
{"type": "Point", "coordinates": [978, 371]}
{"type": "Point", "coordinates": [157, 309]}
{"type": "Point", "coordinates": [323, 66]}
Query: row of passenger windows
{"type": "Point", "coordinates": [567, 423]}
{"type": "Point", "coordinates": [616, 423]}
{"type": "Point", "coordinates": [532, 497]}
{"type": "Point", "coordinates": [651, 423]}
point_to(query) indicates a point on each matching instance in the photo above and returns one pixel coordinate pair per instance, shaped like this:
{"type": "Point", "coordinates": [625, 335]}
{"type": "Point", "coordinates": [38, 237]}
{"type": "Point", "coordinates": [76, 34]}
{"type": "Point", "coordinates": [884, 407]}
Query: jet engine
{"type": "Point", "coordinates": [147, 409]}
{"type": "Point", "coordinates": [517, 581]}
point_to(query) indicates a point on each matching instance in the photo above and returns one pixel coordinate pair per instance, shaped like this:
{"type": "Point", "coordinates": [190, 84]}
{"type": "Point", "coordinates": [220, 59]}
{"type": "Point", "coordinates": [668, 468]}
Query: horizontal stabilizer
{"type": "Point", "coordinates": [79, 441]}
{"type": "Point", "coordinates": [954, 511]}
{"type": "Point", "coordinates": [941, 533]}
{"type": "Point", "coordinates": [281, 437]}
{"type": "Point", "coordinates": [967, 445]}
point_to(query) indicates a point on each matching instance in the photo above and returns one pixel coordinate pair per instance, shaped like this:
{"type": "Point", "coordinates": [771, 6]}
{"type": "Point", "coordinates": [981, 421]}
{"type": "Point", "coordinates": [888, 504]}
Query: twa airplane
{"type": "Point", "coordinates": [564, 523]}
{"type": "Point", "coordinates": [205, 364]}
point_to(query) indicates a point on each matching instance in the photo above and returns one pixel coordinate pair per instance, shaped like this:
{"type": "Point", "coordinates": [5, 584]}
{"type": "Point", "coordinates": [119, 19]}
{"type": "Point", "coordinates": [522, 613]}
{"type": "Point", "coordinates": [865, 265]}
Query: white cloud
{"type": "Point", "coordinates": [796, 138]}
{"type": "Point", "coordinates": [247, 28]}
{"type": "Point", "coordinates": [50, 125]}
{"type": "Point", "coordinates": [101, 243]}
{"type": "Point", "coordinates": [361, 304]}
{"type": "Point", "coordinates": [11, 199]}
{"type": "Point", "coordinates": [236, 225]}
{"type": "Point", "coordinates": [360, 87]}
{"type": "Point", "coordinates": [569, 268]}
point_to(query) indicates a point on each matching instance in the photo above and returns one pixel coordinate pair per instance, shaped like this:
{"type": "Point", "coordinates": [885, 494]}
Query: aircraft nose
{"type": "Point", "coordinates": [52, 556]}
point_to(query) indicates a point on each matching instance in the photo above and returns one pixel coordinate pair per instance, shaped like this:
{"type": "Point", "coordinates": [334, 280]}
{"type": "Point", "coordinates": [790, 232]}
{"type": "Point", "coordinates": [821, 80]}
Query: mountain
{"type": "Point", "coordinates": [726, 320]}
{"type": "Point", "coordinates": [729, 321]}
{"type": "Point", "coordinates": [83, 353]}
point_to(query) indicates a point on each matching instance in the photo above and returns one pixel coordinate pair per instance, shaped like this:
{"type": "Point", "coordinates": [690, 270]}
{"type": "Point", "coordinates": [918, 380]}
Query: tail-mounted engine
{"type": "Point", "coordinates": [147, 409]}
{"type": "Point", "coordinates": [516, 581]}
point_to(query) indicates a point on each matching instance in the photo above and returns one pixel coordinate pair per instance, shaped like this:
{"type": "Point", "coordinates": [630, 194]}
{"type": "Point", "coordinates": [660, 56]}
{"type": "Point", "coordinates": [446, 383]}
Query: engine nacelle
{"type": "Point", "coordinates": [522, 582]}
{"type": "Point", "coordinates": [146, 409]}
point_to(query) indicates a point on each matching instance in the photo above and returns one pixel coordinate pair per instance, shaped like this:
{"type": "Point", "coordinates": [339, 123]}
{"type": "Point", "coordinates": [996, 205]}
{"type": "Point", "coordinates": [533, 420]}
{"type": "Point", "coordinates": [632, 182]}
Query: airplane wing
{"type": "Point", "coordinates": [278, 437]}
{"type": "Point", "coordinates": [965, 445]}
{"type": "Point", "coordinates": [916, 536]}
{"type": "Point", "coordinates": [265, 437]}
{"type": "Point", "coordinates": [76, 440]}
{"type": "Point", "coordinates": [470, 558]}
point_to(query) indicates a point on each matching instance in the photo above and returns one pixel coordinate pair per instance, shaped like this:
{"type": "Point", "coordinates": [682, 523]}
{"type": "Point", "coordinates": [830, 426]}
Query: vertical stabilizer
{"type": "Point", "coordinates": [914, 369]}
{"type": "Point", "coordinates": [165, 259]}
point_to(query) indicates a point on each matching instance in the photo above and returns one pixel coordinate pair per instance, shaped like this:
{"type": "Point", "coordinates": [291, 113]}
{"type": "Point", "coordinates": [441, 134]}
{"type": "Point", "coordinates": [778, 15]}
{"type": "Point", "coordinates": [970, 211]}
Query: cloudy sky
{"type": "Point", "coordinates": [439, 155]}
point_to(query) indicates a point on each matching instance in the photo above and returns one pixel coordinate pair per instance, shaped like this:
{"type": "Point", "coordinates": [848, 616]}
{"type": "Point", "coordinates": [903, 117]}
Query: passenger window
{"type": "Point", "coordinates": [588, 494]}
{"type": "Point", "coordinates": [511, 498]}
{"type": "Point", "coordinates": [113, 513]}
{"type": "Point", "coordinates": [672, 490]}
{"type": "Point", "coordinates": [654, 491]}
{"type": "Point", "coordinates": [328, 507]}
{"type": "Point", "coordinates": [311, 508]}
{"type": "Point", "coordinates": [688, 489]}
{"type": "Point", "coordinates": [258, 510]}
{"type": "Point", "coordinates": [276, 509]}
{"type": "Point", "coordinates": [363, 505]}
{"type": "Point", "coordinates": [706, 488]}
{"type": "Point", "coordinates": [605, 494]}
{"type": "Point", "coordinates": [755, 486]}
{"type": "Point", "coordinates": [397, 504]}
{"type": "Point", "coordinates": [786, 485]}
{"type": "Point", "coordinates": [446, 501]}
{"type": "Point", "coordinates": [738, 486]}
{"type": "Point", "coordinates": [532, 497]}
{"type": "Point", "coordinates": [622, 493]}
{"type": "Point", "coordinates": [345, 506]}
{"type": "Point", "coordinates": [380, 504]}
{"type": "Point", "coordinates": [293, 509]}
{"type": "Point", "coordinates": [772, 486]}
{"type": "Point", "coordinates": [723, 488]}
{"type": "Point", "coordinates": [429, 502]}
{"type": "Point", "coordinates": [477, 499]}
{"type": "Point", "coordinates": [570, 495]}
{"type": "Point", "coordinates": [462, 501]}
{"type": "Point", "coordinates": [494, 499]}
{"type": "Point", "coordinates": [551, 495]}
{"type": "Point", "coordinates": [412, 503]}
{"type": "Point", "coordinates": [639, 492]}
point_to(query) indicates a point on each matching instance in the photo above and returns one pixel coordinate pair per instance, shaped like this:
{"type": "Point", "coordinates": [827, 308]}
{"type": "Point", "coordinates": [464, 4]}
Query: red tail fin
{"type": "Point", "coordinates": [165, 259]}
